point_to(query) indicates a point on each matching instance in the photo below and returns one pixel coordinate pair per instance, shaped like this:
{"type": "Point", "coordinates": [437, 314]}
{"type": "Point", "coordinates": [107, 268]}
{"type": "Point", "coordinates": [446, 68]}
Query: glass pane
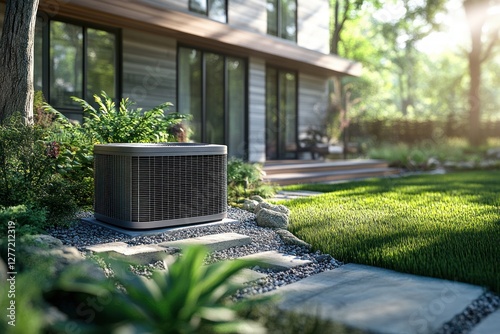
{"type": "Point", "coordinates": [236, 106]}
{"type": "Point", "coordinates": [288, 27]}
{"type": "Point", "coordinates": [272, 17]}
{"type": "Point", "coordinates": [288, 114]}
{"type": "Point", "coordinates": [190, 97]}
{"type": "Point", "coordinates": [214, 82]}
{"type": "Point", "coordinates": [271, 114]}
{"type": "Point", "coordinates": [66, 54]}
{"type": "Point", "coordinates": [198, 6]}
{"type": "Point", "coordinates": [217, 10]}
{"type": "Point", "coordinates": [38, 60]}
{"type": "Point", "coordinates": [101, 63]}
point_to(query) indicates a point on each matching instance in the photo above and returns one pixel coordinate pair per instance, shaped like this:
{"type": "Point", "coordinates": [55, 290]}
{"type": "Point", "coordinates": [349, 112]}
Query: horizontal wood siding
{"type": "Point", "coordinates": [248, 14]}
{"type": "Point", "coordinates": [2, 14]}
{"type": "Point", "coordinates": [149, 68]}
{"type": "Point", "coordinates": [257, 110]}
{"type": "Point", "coordinates": [313, 98]}
{"type": "Point", "coordinates": [181, 5]}
{"type": "Point", "coordinates": [313, 25]}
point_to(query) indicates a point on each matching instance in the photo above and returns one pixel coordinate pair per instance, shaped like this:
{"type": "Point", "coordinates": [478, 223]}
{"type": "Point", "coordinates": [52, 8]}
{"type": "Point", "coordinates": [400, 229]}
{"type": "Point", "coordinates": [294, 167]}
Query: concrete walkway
{"type": "Point", "coordinates": [380, 300]}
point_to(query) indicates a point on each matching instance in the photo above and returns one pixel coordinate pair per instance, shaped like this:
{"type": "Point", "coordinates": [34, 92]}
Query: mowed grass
{"type": "Point", "coordinates": [445, 226]}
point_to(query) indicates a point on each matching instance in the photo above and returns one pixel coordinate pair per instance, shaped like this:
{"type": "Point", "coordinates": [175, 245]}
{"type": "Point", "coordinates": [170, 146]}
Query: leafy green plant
{"type": "Point", "coordinates": [28, 220]}
{"type": "Point", "coordinates": [246, 179]}
{"type": "Point", "coordinates": [188, 297]}
{"type": "Point", "coordinates": [109, 124]}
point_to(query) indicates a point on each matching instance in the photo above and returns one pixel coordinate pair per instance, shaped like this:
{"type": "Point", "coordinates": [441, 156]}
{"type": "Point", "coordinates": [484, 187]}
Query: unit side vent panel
{"type": "Point", "coordinates": [112, 186]}
{"type": "Point", "coordinates": [176, 187]}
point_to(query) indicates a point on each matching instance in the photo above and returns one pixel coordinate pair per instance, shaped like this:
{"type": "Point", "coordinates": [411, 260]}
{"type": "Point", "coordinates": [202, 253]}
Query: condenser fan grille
{"type": "Point", "coordinates": [159, 185]}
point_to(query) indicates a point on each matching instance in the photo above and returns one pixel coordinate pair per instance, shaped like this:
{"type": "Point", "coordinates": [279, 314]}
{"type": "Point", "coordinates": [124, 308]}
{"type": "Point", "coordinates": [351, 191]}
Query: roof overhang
{"type": "Point", "coordinates": [201, 32]}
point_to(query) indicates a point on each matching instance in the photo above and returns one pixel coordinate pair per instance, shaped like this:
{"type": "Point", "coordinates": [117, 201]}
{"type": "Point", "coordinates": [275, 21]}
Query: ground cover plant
{"type": "Point", "coordinates": [445, 226]}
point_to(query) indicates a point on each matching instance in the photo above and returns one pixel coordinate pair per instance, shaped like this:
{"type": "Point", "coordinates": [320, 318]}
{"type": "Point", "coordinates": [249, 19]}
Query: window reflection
{"type": "Point", "coordinates": [282, 19]}
{"type": "Point", "coordinates": [214, 9]}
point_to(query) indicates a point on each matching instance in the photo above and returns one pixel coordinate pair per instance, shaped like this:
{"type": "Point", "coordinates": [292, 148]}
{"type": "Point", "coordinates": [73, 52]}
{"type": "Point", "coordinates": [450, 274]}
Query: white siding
{"type": "Point", "coordinates": [257, 110]}
{"type": "Point", "coordinates": [248, 15]}
{"type": "Point", "coordinates": [313, 99]}
{"type": "Point", "coordinates": [313, 25]}
{"type": "Point", "coordinates": [149, 68]}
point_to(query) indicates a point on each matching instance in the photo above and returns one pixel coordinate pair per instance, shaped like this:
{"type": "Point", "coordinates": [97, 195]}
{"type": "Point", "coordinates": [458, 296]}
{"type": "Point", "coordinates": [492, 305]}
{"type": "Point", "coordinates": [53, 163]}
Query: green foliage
{"type": "Point", "coordinates": [27, 220]}
{"type": "Point", "coordinates": [188, 297]}
{"type": "Point", "coordinates": [246, 179]}
{"type": "Point", "coordinates": [443, 226]}
{"type": "Point", "coordinates": [124, 124]}
{"type": "Point", "coordinates": [29, 164]}
{"type": "Point", "coordinates": [417, 156]}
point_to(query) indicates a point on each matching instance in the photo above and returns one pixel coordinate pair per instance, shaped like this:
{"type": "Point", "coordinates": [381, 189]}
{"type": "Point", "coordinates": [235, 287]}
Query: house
{"type": "Point", "coordinates": [252, 73]}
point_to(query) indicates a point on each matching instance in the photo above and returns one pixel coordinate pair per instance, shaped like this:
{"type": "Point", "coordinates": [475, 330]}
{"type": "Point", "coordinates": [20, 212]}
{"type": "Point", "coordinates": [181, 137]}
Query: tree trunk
{"type": "Point", "coordinates": [476, 13]}
{"type": "Point", "coordinates": [16, 59]}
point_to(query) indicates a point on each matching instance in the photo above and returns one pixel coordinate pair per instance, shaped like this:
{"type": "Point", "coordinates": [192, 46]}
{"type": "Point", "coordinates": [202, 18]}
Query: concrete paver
{"type": "Point", "coordinates": [214, 242]}
{"type": "Point", "coordinates": [379, 300]}
{"type": "Point", "coordinates": [489, 325]}
{"type": "Point", "coordinates": [275, 260]}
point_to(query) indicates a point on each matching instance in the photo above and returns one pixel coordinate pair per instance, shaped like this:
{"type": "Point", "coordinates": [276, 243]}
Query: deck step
{"type": "Point", "coordinates": [324, 177]}
{"type": "Point", "coordinates": [298, 166]}
{"type": "Point", "coordinates": [275, 260]}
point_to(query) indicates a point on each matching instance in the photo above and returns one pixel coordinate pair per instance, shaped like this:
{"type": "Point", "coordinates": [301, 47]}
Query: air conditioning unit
{"type": "Point", "coordinates": [145, 186]}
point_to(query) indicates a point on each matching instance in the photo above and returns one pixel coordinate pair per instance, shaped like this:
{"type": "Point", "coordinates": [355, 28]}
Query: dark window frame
{"type": "Point", "coordinates": [46, 60]}
{"type": "Point", "coordinates": [280, 70]}
{"type": "Point", "coordinates": [279, 18]}
{"type": "Point", "coordinates": [207, 10]}
{"type": "Point", "coordinates": [226, 95]}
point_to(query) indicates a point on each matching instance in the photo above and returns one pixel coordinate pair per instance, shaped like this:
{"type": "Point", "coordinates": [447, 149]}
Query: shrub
{"type": "Point", "coordinates": [246, 179]}
{"type": "Point", "coordinates": [29, 165]}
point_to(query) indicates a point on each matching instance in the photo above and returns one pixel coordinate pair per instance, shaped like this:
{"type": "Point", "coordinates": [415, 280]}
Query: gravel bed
{"type": "Point", "coordinates": [82, 235]}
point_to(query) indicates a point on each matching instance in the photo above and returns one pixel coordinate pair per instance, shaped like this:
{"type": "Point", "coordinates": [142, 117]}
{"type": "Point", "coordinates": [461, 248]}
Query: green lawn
{"type": "Point", "coordinates": [445, 226]}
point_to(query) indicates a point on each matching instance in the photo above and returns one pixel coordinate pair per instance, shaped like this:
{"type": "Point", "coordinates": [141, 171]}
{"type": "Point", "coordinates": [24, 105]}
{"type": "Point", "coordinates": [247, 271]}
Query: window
{"type": "Point", "coordinates": [281, 114]}
{"type": "Point", "coordinates": [214, 9]}
{"type": "Point", "coordinates": [212, 88]}
{"type": "Point", "coordinates": [282, 19]}
{"type": "Point", "coordinates": [74, 60]}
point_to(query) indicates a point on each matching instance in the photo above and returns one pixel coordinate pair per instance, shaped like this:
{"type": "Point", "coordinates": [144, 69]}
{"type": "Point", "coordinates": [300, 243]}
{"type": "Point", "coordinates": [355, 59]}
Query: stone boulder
{"type": "Point", "coordinates": [272, 219]}
{"type": "Point", "coordinates": [278, 208]}
{"type": "Point", "coordinates": [290, 239]}
{"type": "Point", "coordinates": [249, 205]}
{"type": "Point", "coordinates": [257, 198]}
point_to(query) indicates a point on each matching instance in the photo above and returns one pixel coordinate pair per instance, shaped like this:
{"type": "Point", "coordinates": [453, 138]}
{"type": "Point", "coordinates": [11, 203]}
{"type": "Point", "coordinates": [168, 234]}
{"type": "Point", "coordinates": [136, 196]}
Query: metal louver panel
{"type": "Point", "coordinates": [144, 186]}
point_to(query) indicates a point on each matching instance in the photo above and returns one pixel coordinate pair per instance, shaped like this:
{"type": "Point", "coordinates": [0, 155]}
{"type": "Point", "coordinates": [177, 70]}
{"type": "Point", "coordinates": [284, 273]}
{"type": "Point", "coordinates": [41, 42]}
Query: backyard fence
{"type": "Point", "coordinates": [415, 131]}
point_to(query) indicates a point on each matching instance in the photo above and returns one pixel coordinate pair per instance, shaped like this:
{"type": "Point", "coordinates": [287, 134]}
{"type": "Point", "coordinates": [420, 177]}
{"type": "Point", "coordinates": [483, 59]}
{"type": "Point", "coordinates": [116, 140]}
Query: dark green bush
{"type": "Point", "coordinates": [246, 179]}
{"type": "Point", "coordinates": [27, 220]}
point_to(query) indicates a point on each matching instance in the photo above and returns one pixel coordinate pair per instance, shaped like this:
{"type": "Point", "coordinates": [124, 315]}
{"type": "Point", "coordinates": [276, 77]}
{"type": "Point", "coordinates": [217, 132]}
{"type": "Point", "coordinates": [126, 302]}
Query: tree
{"type": "Point", "coordinates": [476, 12]}
{"type": "Point", "coordinates": [16, 58]}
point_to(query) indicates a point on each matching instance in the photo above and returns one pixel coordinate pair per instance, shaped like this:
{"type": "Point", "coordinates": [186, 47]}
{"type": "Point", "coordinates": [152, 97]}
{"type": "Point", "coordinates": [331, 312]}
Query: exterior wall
{"type": "Point", "coordinates": [248, 14]}
{"type": "Point", "coordinates": [2, 12]}
{"type": "Point", "coordinates": [313, 25]}
{"type": "Point", "coordinates": [256, 110]}
{"type": "Point", "coordinates": [180, 5]}
{"type": "Point", "coordinates": [313, 101]}
{"type": "Point", "coordinates": [149, 68]}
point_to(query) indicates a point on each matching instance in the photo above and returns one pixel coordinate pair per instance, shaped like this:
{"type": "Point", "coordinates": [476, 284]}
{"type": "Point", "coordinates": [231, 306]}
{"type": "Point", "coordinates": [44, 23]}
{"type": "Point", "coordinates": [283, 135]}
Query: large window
{"type": "Point", "coordinates": [282, 19]}
{"type": "Point", "coordinates": [74, 60]}
{"type": "Point", "coordinates": [212, 88]}
{"type": "Point", "coordinates": [281, 114]}
{"type": "Point", "coordinates": [214, 9]}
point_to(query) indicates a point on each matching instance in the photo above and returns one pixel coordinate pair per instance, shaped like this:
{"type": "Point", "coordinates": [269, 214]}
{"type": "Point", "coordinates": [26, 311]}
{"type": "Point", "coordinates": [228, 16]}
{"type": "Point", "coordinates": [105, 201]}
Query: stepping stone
{"type": "Point", "coordinates": [379, 300]}
{"type": "Point", "coordinates": [142, 254]}
{"type": "Point", "coordinates": [489, 325]}
{"type": "Point", "coordinates": [275, 260]}
{"type": "Point", "coordinates": [246, 276]}
{"type": "Point", "coordinates": [214, 242]}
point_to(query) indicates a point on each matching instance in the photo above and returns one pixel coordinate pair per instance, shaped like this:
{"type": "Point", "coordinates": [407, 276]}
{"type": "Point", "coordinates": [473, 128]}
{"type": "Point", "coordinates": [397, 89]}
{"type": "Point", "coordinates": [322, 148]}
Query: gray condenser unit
{"type": "Point", "coordinates": [144, 186]}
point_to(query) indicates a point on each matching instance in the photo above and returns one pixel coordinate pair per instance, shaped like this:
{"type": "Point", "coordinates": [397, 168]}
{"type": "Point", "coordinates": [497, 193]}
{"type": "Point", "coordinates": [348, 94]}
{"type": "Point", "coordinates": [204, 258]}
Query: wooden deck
{"type": "Point", "coordinates": [286, 172]}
